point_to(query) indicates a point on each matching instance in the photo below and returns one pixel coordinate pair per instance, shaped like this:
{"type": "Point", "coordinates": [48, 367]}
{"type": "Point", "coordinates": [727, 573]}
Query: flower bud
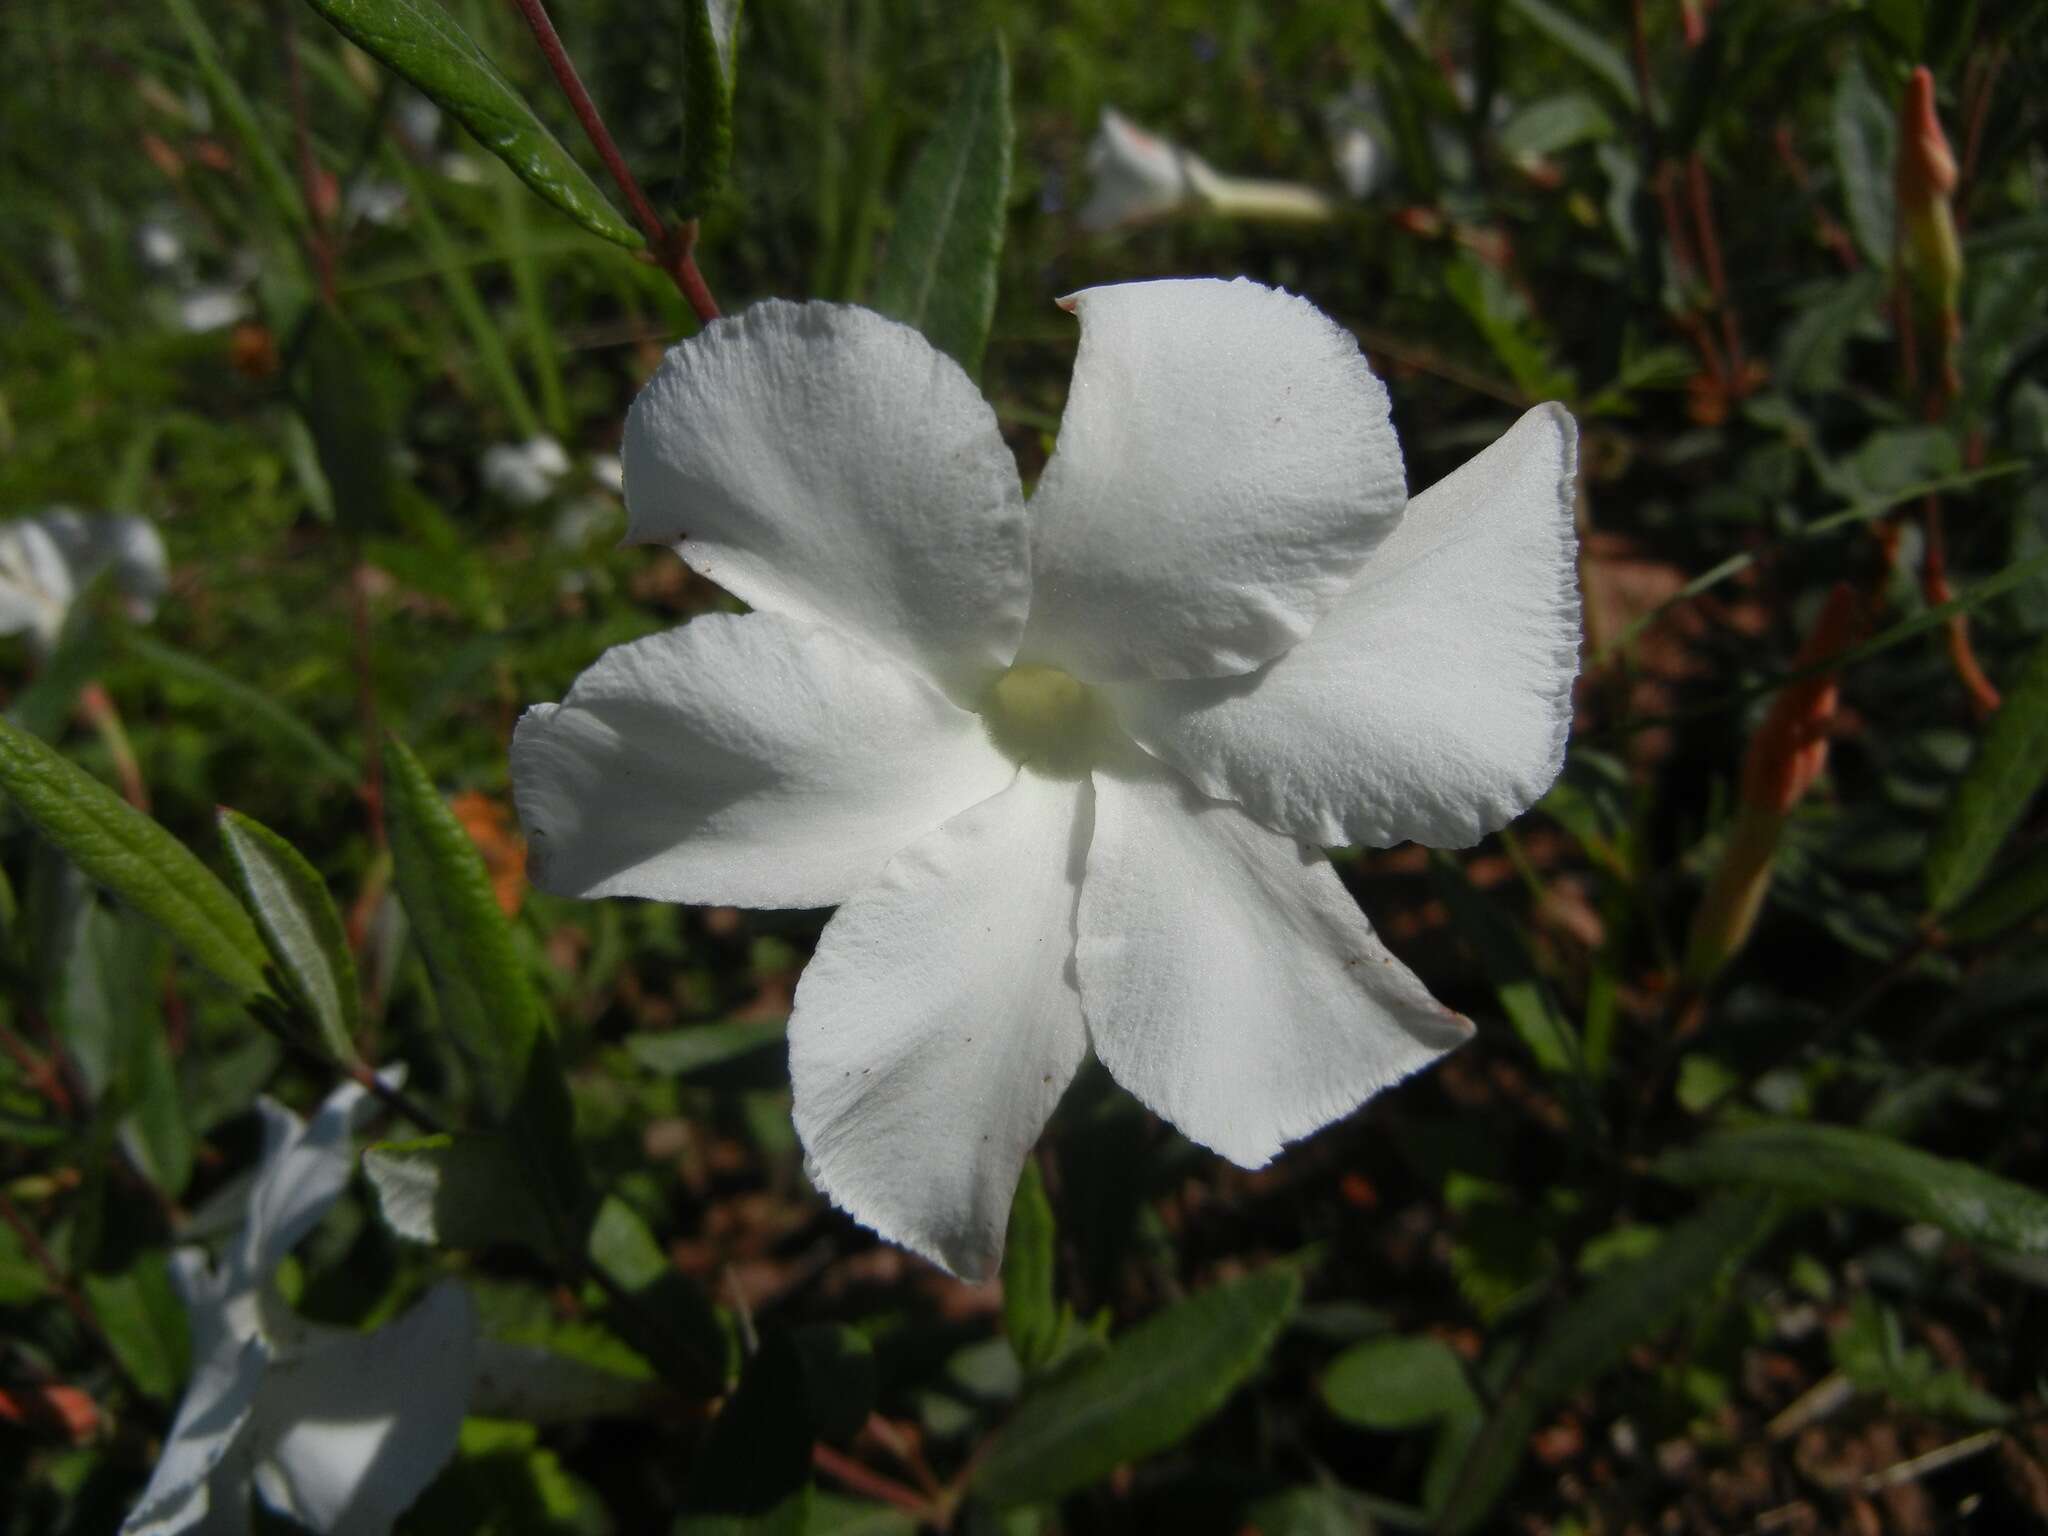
{"type": "Point", "coordinates": [1925, 179]}
{"type": "Point", "coordinates": [1787, 753]}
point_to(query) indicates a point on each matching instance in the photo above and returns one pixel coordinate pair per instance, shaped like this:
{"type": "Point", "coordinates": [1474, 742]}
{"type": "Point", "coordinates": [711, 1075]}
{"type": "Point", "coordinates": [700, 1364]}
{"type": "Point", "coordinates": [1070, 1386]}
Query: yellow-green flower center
{"type": "Point", "coordinates": [1041, 716]}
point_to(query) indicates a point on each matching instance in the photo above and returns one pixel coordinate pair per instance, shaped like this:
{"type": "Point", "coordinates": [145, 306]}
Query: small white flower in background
{"type": "Point", "coordinates": [1139, 177]}
{"type": "Point", "coordinates": [374, 200]}
{"type": "Point", "coordinates": [609, 471]}
{"type": "Point", "coordinates": [158, 243]}
{"type": "Point", "coordinates": [335, 1429]}
{"type": "Point", "coordinates": [1358, 141]}
{"type": "Point", "coordinates": [46, 561]}
{"type": "Point", "coordinates": [1064, 765]}
{"type": "Point", "coordinates": [211, 307]}
{"type": "Point", "coordinates": [523, 473]}
{"type": "Point", "coordinates": [416, 118]}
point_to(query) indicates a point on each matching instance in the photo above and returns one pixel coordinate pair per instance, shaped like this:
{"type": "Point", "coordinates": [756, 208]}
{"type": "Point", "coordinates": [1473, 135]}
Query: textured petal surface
{"type": "Point", "coordinates": [1230, 981]}
{"type": "Point", "coordinates": [826, 463]}
{"type": "Point", "coordinates": [937, 1024]}
{"type": "Point", "coordinates": [1432, 702]}
{"type": "Point", "coordinates": [351, 1432]}
{"type": "Point", "coordinates": [1224, 465]}
{"type": "Point", "coordinates": [200, 1479]}
{"type": "Point", "coordinates": [754, 760]}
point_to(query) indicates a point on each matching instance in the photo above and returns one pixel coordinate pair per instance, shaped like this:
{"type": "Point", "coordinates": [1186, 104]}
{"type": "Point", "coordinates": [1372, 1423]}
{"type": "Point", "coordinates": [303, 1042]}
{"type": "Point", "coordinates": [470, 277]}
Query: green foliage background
{"type": "Point", "coordinates": [1642, 1250]}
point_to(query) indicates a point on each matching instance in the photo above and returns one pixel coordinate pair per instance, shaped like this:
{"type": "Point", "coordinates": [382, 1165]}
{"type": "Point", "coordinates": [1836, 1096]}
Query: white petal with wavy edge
{"type": "Point", "coordinates": [937, 1024]}
{"type": "Point", "coordinates": [1224, 466]}
{"type": "Point", "coordinates": [1432, 702]}
{"type": "Point", "coordinates": [822, 462]}
{"type": "Point", "coordinates": [352, 1431]}
{"type": "Point", "coordinates": [1229, 980]}
{"type": "Point", "coordinates": [751, 760]}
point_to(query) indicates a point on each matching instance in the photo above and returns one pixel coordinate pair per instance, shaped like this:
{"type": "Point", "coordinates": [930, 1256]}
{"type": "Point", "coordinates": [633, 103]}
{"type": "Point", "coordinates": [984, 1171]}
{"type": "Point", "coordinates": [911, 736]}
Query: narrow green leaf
{"type": "Point", "coordinates": [1834, 1165]}
{"type": "Point", "coordinates": [1995, 790]}
{"type": "Point", "coordinates": [346, 415]}
{"type": "Point", "coordinates": [234, 106]}
{"type": "Point", "coordinates": [421, 42]}
{"type": "Point", "coordinates": [1031, 1312]}
{"type": "Point", "coordinates": [487, 1001]}
{"type": "Point", "coordinates": [1865, 144]}
{"type": "Point", "coordinates": [940, 273]}
{"type": "Point", "coordinates": [1399, 1382]}
{"type": "Point", "coordinates": [719, 1051]}
{"type": "Point", "coordinates": [1629, 1303]}
{"type": "Point", "coordinates": [2011, 896]}
{"type": "Point", "coordinates": [710, 71]}
{"type": "Point", "coordinates": [1145, 1393]}
{"type": "Point", "coordinates": [122, 849]}
{"type": "Point", "coordinates": [246, 707]}
{"type": "Point", "coordinates": [1592, 50]}
{"type": "Point", "coordinates": [670, 1320]}
{"type": "Point", "coordinates": [300, 927]}
{"type": "Point", "coordinates": [465, 1191]}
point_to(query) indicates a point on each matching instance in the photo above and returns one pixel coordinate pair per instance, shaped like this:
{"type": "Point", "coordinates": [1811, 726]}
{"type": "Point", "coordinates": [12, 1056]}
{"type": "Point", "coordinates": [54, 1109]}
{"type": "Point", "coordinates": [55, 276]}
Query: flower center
{"type": "Point", "coordinates": [1041, 716]}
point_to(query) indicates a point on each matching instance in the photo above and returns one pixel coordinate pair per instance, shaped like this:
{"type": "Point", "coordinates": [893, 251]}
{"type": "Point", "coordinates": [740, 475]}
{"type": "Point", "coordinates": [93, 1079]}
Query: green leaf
{"type": "Point", "coordinates": [260, 145]}
{"type": "Point", "coordinates": [144, 1322]}
{"type": "Point", "coordinates": [487, 1000]}
{"type": "Point", "coordinates": [1399, 1382]}
{"type": "Point", "coordinates": [463, 1191]}
{"type": "Point", "coordinates": [710, 72]}
{"type": "Point", "coordinates": [1872, 1353]}
{"type": "Point", "coordinates": [1553, 124]}
{"type": "Point", "coordinates": [245, 707]}
{"type": "Point", "coordinates": [2011, 896]}
{"type": "Point", "coordinates": [1995, 790]}
{"type": "Point", "coordinates": [1592, 50]}
{"type": "Point", "coordinates": [123, 850]}
{"type": "Point", "coordinates": [351, 432]}
{"type": "Point", "coordinates": [940, 274]}
{"type": "Point", "coordinates": [300, 927]}
{"type": "Point", "coordinates": [1145, 1393]}
{"type": "Point", "coordinates": [1834, 1165]}
{"type": "Point", "coordinates": [752, 1474]}
{"type": "Point", "coordinates": [1031, 1313]}
{"type": "Point", "coordinates": [672, 1322]}
{"type": "Point", "coordinates": [419, 41]}
{"type": "Point", "coordinates": [1629, 1303]}
{"type": "Point", "coordinates": [1865, 142]}
{"type": "Point", "coordinates": [720, 1051]}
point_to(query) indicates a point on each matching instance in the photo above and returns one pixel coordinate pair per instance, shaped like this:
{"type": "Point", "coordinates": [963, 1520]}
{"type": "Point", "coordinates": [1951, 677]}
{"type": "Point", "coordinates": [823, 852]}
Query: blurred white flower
{"type": "Point", "coordinates": [211, 306]}
{"type": "Point", "coordinates": [334, 1429]}
{"type": "Point", "coordinates": [608, 471]}
{"type": "Point", "coordinates": [374, 200]}
{"type": "Point", "coordinates": [1359, 139]}
{"type": "Point", "coordinates": [46, 561]}
{"type": "Point", "coordinates": [1139, 177]}
{"type": "Point", "coordinates": [1064, 764]}
{"type": "Point", "coordinates": [158, 243]}
{"type": "Point", "coordinates": [523, 473]}
{"type": "Point", "coordinates": [416, 118]}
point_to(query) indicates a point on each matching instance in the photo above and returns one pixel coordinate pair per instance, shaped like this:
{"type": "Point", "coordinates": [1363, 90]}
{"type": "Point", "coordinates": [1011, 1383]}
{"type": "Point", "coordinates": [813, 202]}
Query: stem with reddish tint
{"type": "Point", "coordinates": [674, 250]}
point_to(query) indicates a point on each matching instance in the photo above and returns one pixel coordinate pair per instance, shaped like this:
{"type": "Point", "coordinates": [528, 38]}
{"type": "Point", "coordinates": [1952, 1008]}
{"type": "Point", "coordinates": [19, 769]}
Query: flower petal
{"type": "Point", "coordinates": [206, 1439]}
{"type": "Point", "coordinates": [1229, 980]}
{"type": "Point", "coordinates": [937, 1025]}
{"type": "Point", "coordinates": [350, 1434]}
{"type": "Point", "coordinates": [305, 1167]}
{"type": "Point", "coordinates": [1224, 465]}
{"type": "Point", "coordinates": [1432, 702]}
{"type": "Point", "coordinates": [821, 462]}
{"type": "Point", "coordinates": [755, 760]}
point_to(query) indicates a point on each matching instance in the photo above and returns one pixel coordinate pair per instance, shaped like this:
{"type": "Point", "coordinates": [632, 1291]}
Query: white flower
{"type": "Point", "coordinates": [48, 560]}
{"type": "Point", "coordinates": [374, 200]}
{"type": "Point", "coordinates": [211, 306]}
{"type": "Point", "coordinates": [1064, 765]}
{"type": "Point", "coordinates": [1139, 177]}
{"type": "Point", "coordinates": [337, 1430]}
{"type": "Point", "coordinates": [523, 473]}
{"type": "Point", "coordinates": [158, 242]}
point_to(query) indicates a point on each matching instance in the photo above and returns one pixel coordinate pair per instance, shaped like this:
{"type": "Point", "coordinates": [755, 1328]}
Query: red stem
{"type": "Point", "coordinates": [1710, 255]}
{"type": "Point", "coordinates": [319, 238]}
{"type": "Point", "coordinates": [873, 1484]}
{"type": "Point", "coordinates": [673, 250]}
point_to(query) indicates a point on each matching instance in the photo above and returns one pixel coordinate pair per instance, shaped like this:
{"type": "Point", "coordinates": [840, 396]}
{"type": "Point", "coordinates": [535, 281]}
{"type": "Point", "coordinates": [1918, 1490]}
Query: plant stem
{"type": "Point", "coordinates": [673, 249]}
